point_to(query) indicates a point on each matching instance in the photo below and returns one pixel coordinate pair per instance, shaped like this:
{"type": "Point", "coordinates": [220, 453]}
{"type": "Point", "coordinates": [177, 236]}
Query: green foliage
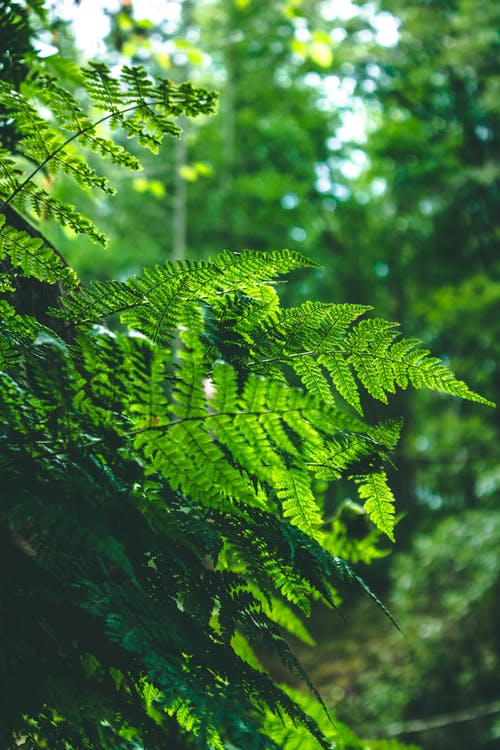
{"type": "Point", "coordinates": [160, 512]}
{"type": "Point", "coordinates": [156, 512]}
{"type": "Point", "coordinates": [342, 738]}
{"type": "Point", "coordinates": [379, 501]}
{"type": "Point", "coordinates": [418, 239]}
{"type": "Point", "coordinates": [445, 588]}
{"type": "Point", "coordinates": [32, 256]}
{"type": "Point", "coordinates": [143, 110]}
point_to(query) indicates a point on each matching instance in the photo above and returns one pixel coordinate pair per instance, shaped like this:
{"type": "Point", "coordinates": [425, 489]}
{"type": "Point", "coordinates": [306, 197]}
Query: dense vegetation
{"type": "Point", "coordinates": [172, 441]}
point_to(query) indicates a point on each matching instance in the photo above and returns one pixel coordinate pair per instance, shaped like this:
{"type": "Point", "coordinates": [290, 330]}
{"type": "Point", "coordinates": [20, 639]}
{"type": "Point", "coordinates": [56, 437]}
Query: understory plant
{"type": "Point", "coordinates": [166, 441]}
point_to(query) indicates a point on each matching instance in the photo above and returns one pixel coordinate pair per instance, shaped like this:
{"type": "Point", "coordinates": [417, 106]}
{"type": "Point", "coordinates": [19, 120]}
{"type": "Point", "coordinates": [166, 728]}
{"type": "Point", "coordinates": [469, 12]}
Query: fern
{"type": "Point", "coordinates": [34, 257]}
{"type": "Point", "coordinates": [159, 486]}
{"type": "Point", "coordinates": [142, 109]}
{"type": "Point", "coordinates": [378, 501]}
{"type": "Point", "coordinates": [162, 298]}
{"type": "Point", "coordinates": [324, 340]}
{"type": "Point", "coordinates": [322, 343]}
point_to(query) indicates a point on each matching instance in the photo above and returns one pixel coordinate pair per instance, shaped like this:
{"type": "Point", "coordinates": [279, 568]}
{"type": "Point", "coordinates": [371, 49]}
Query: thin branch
{"type": "Point", "coordinates": [443, 720]}
{"type": "Point", "coordinates": [211, 415]}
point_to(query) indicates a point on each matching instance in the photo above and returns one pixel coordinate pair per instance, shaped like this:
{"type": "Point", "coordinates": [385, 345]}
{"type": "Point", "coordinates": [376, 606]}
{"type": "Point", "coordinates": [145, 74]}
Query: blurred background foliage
{"type": "Point", "coordinates": [365, 135]}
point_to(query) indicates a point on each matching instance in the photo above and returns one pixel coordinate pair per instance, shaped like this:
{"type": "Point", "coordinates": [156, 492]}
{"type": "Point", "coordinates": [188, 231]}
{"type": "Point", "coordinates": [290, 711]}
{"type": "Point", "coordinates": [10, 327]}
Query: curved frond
{"type": "Point", "coordinates": [378, 501]}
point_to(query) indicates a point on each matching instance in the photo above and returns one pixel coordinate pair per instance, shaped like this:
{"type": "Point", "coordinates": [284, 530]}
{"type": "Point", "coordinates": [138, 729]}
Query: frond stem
{"type": "Point", "coordinates": [210, 415]}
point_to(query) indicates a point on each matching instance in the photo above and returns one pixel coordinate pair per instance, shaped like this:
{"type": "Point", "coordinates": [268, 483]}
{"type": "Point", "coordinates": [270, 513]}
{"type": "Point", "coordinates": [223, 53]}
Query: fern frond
{"type": "Point", "coordinates": [383, 361]}
{"type": "Point", "coordinates": [42, 144]}
{"type": "Point", "coordinates": [342, 378]}
{"type": "Point", "coordinates": [299, 504]}
{"type": "Point", "coordinates": [331, 461]}
{"type": "Point", "coordinates": [98, 301]}
{"type": "Point", "coordinates": [189, 396]}
{"type": "Point", "coordinates": [164, 295]}
{"type": "Point", "coordinates": [378, 501]}
{"type": "Point", "coordinates": [27, 195]}
{"type": "Point", "coordinates": [33, 257]}
{"type": "Point", "coordinates": [143, 109]}
{"type": "Point", "coordinates": [321, 341]}
{"type": "Point", "coordinates": [259, 426]}
{"type": "Point", "coordinates": [313, 379]}
{"type": "Point", "coordinates": [284, 616]}
{"type": "Point", "coordinates": [72, 118]}
{"type": "Point", "coordinates": [16, 335]}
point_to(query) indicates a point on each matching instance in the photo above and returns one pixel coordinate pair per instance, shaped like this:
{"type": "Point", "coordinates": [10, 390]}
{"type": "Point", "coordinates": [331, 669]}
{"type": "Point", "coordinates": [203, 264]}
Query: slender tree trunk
{"type": "Point", "coordinates": [180, 197]}
{"type": "Point", "coordinates": [179, 219]}
{"type": "Point", "coordinates": [228, 143]}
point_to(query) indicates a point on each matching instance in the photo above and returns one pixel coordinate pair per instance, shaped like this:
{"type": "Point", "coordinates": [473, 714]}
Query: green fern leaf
{"type": "Point", "coordinates": [33, 256]}
{"type": "Point", "coordinates": [381, 362]}
{"type": "Point", "coordinates": [142, 108]}
{"type": "Point", "coordinates": [311, 375]}
{"type": "Point", "coordinates": [299, 503]}
{"type": "Point", "coordinates": [164, 296]}
{"type": "Point", "coordinates": [223, 389]}
{"type": "Point", "coordinates": [378, 501]}
{"type": "Point", "coordinates": [342, 378]}
{"type": "Point", "coordinates": [189, 397]}
{"type": "Point", "coordinates": [98, 301]}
